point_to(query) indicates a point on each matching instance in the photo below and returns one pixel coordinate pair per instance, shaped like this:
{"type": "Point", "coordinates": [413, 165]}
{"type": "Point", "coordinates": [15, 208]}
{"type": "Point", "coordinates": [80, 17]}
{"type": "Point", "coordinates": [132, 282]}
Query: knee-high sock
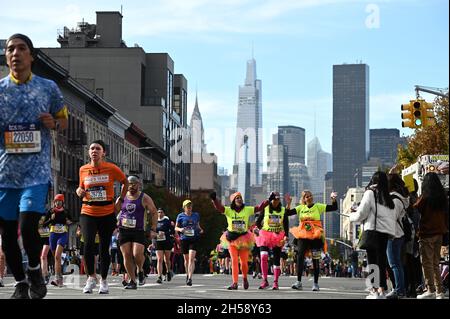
{"type": "Point", "coordinates": [265, 264]}
{"type": "Point", "coordinates": [243, 255]}
{"type": "Point", "coordinates": [276, 273]}
{"type": "Point", "coordinates": [234, 263]}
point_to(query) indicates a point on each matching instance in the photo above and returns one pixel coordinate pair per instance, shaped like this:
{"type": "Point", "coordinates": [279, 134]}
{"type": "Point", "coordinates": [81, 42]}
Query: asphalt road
{"type": "Point", "coordinates": [205, 287]}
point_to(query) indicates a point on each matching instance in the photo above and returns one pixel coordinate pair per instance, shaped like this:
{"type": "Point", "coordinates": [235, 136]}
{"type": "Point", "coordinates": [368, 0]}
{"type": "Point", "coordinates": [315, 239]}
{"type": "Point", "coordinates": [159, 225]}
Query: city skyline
{"type": "Point", "coordinates": [296, 43]}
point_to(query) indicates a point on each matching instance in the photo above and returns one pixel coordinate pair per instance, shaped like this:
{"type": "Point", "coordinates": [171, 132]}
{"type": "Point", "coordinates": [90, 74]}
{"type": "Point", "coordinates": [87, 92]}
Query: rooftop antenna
{"type": "Point", "coordinates": [252, 51]}
{"type": "Point", "coordinates": [315, 122]}
{"type": "Point", "coordinates": [121, 10]}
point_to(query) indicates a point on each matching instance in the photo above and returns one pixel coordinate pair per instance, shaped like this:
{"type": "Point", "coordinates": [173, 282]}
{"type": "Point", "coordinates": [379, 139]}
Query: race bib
{"type": "Point", "coordinates": [129, 222]}
{"type": "Point", "coordinates": [161, 236]}
{"type": "Point", "coordinates": [44, 231]}
{"type": "Point", "coordinates": [22, 138]}
{"type": "Point", "coordinates": [97, 193]}
{"type": "Point", "coordinates": [58, 228]}
{"type": "Point", "coordinates": [189, 232]}
{"type": "Point", "coordinates": [274, 221]}
{"type": "Point", "coordinates": [238, 226]}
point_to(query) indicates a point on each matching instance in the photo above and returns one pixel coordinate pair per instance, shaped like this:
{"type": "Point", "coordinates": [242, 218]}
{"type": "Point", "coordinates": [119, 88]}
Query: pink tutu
{"type": "Point", "coordinates": [270, 239]}
{"type": "Point", "coordinates": [246, 241]}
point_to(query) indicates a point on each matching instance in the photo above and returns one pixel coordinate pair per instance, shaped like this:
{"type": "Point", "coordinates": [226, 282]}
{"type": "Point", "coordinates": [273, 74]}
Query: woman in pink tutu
{"type": "Point", "coordinates": [273, 226]}
{"type": "Point", "coordinates": [238, 239]}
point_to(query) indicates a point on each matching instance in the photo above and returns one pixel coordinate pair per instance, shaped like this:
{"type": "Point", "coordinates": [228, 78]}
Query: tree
{"type": "Point", "coordinates": [212, 222]}
{"type": "Point", "coordinates": [428, 140]}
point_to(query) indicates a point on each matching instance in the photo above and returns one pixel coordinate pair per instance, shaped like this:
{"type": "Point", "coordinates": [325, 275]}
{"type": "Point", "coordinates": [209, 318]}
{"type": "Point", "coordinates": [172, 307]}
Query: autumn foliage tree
{"type": "Point", "coordinates": [212, 222]}
{"type": "Point", "coordinates": [428, 140]}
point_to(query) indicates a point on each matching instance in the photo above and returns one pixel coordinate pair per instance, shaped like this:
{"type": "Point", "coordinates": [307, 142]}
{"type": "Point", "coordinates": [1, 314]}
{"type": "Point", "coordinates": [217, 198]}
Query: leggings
{"type": "Point", "coordinates": [235, 255]}
{"type": "Point", "coordinates": [104, 226]}
{"type": "Point", "coordinates": [303, 245]}
{"type": "Point", "coordinates": [31, 242]}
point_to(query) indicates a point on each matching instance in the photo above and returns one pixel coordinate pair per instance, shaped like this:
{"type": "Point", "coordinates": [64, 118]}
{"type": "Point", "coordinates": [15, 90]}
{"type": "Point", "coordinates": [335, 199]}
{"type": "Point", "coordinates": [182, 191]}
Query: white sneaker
{"type": "Point", "coordinates": [315, 287]}
{"type": "Point", "coordinates": [103, 287]}
{"type": "Point", "coordinates": [381, 296]}
{"type": "Point", "coordinates": [90, 285]}
{"type": "Point", "coordinates": [427, 295]}
{"type": "Point", "coordinates": [440, 296]}
{"type": "Point", "coordinates": [372, 295]}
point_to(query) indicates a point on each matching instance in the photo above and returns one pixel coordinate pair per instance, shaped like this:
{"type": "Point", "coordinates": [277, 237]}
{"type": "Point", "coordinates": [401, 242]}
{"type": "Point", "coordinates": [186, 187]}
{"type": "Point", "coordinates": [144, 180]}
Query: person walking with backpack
{"type": "Point", "coordinates": [376, 212]}
{"type": "Point", "coordinates": [433, 207]}
{"type": "Point", "coordinates": [400, 196]}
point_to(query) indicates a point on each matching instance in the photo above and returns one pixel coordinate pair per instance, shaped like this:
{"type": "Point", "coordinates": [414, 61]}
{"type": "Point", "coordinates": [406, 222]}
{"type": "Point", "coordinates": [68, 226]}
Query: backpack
{"type": "Point", "coordinates": [406, 224]}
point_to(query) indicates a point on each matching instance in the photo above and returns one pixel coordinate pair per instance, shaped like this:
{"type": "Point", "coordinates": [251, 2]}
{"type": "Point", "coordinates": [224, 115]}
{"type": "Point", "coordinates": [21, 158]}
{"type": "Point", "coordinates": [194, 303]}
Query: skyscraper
{"type": "Point", "coordinates": [249, 127]}
{"type": "Point", "coordinates": [198, 145]}
{"type": "Point", "coordinates": [277, 168]}
{"type": "Point", "coordinates": [384, 143]}
{"type": "Point", "coordinates": [350, 124]}
{"type": "Point", "coordinates": [294, 138]}
{"type": "Point", "coordinates": [319, 163]}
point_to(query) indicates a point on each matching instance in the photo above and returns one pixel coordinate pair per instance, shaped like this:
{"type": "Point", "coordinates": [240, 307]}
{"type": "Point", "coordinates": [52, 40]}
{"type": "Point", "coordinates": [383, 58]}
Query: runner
{"type": "Point", "coordinates": [131, 230]}
{"type": "Point", "coordinates": [188, 225]}
{"type": "Point", "coordinates": [44, 233]}
{"type": "Point", "coordinates": [115, 253]}
{"type": "Point", "coordinates": [30, 106]}
{"type": "Point", "coordinates": [273, 224]}
{"type": "Point", "coordinates": [58, 219]}
{"type": "Point", "coordinates": [96, 188]}
{"type": "Point", "coordinates": [164, 244]}
{"type": "Point", "coordinates": [310, 234]}
{"type": "Point", "coordinates": [238, 239]}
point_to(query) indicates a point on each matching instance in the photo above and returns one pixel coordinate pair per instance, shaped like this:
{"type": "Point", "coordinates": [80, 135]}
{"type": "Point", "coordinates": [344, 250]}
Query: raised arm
{"type": "Point", "coordinates": [217, 204]}
{"type": "Point", "coordinates": [334, 205]}
{"type": "Point", "coordinates": [288, 210]}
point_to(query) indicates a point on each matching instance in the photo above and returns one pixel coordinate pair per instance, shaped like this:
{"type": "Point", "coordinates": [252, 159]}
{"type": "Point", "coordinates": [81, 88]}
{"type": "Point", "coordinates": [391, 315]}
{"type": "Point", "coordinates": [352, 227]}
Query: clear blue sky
{"type": "Point", "coordinates": [296, 43]}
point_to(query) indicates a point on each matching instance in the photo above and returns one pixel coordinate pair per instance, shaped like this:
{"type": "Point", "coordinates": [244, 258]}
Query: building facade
{"type": "Point", "coordinates": [141, 85]}
{"type": "Point", "coordinates": [384, 145]}
{"type": "Point", "coordinates": [350, 123]}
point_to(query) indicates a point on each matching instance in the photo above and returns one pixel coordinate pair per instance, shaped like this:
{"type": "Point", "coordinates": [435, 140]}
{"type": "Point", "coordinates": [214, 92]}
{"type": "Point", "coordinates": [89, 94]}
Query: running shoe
{"type": "Point", "coordinates": [264, 284]}
{"type": "Point", "coordinates": [297, 285]}
{"type": "Point", "coordinates": [169, 276]}
{"type": "Point", "coordinates": [245, 284]}
{"type": "Point", "coordinates": [141, 278]}
{"type": "Point", "coordinates": [21, 291]}
{"type": "Point", "coordinates": [427, 295]}
{"type": "Point", "coordinates": [159, 280]}
{"type": "Point", "coordinates": [275, 286]}
{"type": "Point", "coordinates": [189, 282]}
{"type": "Point", "coordinates": [103, 290]}
{"type": "Point", "coordinates": [234, 286]}
{"type": "Point", "coordinates": [38, 288]}
{"type": "Point", "coordinates": [131, 285]}
{"type": "Point", "coordinates": [90, 285]}
{"type": "Point", "coordinates": [315, 287]}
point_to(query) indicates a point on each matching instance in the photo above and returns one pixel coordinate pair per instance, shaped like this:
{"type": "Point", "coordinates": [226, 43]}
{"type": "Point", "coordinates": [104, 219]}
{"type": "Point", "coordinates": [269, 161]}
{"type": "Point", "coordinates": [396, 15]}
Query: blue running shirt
{"type": "Point", "coordinates": [20, 106]}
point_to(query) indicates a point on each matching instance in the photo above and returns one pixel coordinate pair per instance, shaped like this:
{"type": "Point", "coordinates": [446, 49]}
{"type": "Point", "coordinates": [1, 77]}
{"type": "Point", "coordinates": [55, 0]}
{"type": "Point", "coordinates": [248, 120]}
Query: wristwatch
{"type": "Point", "coordinates": [56, 128]}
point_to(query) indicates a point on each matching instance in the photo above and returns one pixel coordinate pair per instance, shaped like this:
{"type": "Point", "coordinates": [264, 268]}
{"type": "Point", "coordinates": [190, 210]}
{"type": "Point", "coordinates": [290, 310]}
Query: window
{"type": "Point", "coordinates": [99, 92]}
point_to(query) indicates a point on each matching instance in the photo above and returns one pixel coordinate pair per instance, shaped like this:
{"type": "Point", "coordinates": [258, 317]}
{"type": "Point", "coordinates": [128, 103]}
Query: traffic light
{"type": "Point", "coordinates": [428, 114]}
{"type": "Point", "coordinates": [412, 118]}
